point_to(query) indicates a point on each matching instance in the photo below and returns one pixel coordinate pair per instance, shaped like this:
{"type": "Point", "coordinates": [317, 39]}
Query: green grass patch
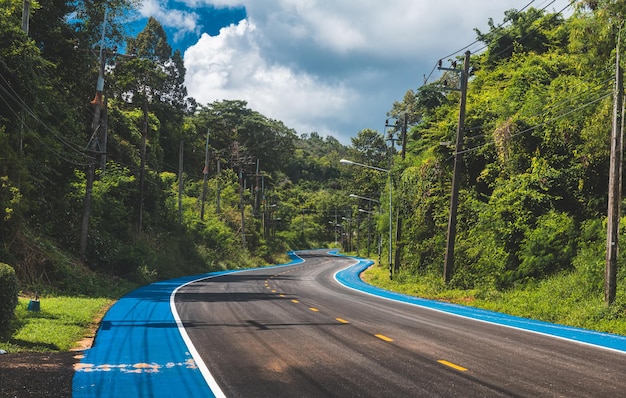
{"type": "Point", "coordinates": [58, 326]}
{"type": "Point", "coordinates": [558, 299]}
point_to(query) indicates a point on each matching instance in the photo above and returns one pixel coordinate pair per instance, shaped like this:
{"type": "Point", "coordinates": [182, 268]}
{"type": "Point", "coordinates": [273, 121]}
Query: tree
{"type": "Point", "coordinates": [528, 32]}
{"type": "Point", "coordinates": [269, 141]}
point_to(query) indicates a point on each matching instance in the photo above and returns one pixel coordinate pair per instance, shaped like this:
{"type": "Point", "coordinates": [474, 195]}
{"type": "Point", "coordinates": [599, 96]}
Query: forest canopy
{"type": "Point", "coordinates": [134, 178]}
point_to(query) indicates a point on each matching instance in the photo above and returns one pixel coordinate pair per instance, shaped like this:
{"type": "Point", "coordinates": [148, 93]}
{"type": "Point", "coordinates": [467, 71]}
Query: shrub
{"type": "Point", "coordinates": [9, 290]}
{"type": "Point", "coordinates": [549, 247]}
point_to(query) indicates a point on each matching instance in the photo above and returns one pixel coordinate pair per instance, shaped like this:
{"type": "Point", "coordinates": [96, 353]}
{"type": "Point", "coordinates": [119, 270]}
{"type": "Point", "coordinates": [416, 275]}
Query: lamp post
{"type": "Point", "coordinates": [349, 162]}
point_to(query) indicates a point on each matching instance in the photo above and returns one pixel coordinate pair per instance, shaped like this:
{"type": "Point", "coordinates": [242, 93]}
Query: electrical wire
{"type": "Point", "coordinates": [553, 106]}
{"type": "Point", "coordinates": [36, 136]}
{"type": "Point", "coordinates": [531, 31]}
{"type": "Point", "coordinates": [571, 2]}
{"type": "Point", "coordinates": [22, 104]}
{"type": "Point", "coordinates": [600, 86]}
{"type": "Point", "coordinates": [545, 122]}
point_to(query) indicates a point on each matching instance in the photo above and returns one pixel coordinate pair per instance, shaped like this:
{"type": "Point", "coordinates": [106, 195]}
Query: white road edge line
{"type": "Point", "coordinates": [208, 377]}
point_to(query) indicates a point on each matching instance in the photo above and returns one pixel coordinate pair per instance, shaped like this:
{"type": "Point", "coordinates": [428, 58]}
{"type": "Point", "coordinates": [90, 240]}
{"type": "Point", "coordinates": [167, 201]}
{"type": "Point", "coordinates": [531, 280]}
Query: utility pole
{"type": "Point", "coordinates": [142, 171]}
{"type": "Point", "coordinates": [219, 186]}
{"type": "Point", "coordinates": [240, 159]}
{"type": "Point", "coordinates": [255, 191]}
{"type": "Point", "coordinates": [399, 244]}
{"type": "Point", "coordinates": [403, 136]}
{"type": "Point", "coordinates": [205, 172]}
{"type": "Point", "coordinates": [25, 16]}
{"type": "Point", "coordinates": [392, 146]}
{"type": "Point", "coordinates": [242, 208]}
{"type": "Point", "coordinates": [454, 197]}
{"type": "Point", "coordinates": [358, 230]}
{"type": "Point", "coordinates": [615, 185]}
{"type": "Point", "coordinates": [25, 24]}
{"type": "Point", "coordinates": [94, 148]}
{"type": "Point", "coordinates": [180, 181]}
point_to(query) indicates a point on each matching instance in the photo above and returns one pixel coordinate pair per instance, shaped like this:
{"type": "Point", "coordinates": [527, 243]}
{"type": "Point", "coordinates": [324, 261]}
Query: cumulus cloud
{"type": "Point", "coordinates": [183, 22]}
{"type": "Point", "coordinates": [331, 66]}
{"type": "Point", "coordinates": [231, 66]}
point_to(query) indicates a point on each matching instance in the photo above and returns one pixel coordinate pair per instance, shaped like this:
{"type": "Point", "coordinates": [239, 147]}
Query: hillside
{"type": "Point", "coordinates": [135, 182]}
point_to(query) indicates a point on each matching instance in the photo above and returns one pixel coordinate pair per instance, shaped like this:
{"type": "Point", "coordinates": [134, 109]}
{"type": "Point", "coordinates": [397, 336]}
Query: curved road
{"type": "Point", "coordinates": [295, 331]}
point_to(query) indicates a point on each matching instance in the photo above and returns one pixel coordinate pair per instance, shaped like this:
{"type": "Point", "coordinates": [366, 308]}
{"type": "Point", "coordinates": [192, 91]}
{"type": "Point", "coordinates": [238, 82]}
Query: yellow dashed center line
{"type": "Point", "coordinates": [383, 337]}
{"type": "Point", "coordinates": [295, 301]}
{"type": "Point", "coordinates": [341, 320]}
{"type": "Point", "coordinates": [282, 295]}
{"type": "Point", "coordinates": [314, 309]}
{"type": "Point", "coordinates": [452, 365]}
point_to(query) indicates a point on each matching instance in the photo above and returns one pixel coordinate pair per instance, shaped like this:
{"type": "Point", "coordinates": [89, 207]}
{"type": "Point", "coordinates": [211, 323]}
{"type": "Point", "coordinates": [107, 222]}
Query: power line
{"type": "Point", "coordinates": [46, 127]}
{"type": "Point", "coordinates": [599, 86]}
{"type": "Point", "coordinates": [571, 2]}
{"type": "Point", "coordinates": [530, 31]}
{"type": "Point", "coordinates": [545, 122]}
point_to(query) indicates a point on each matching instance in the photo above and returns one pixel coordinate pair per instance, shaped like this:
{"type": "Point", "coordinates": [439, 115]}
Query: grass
{"type": "Point", "coordinates": [58, 326]}
{"type": "Point", "coordinates": [559, 299]}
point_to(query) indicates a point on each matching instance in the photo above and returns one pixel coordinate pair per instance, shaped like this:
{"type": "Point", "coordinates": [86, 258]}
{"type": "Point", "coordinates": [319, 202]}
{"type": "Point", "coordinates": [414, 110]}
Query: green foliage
{"type": "Point", "coordinates": [547, 248]}
{"type": "Point", "coordinates": [590, 259]}
{"type": "Point", "coordinates": [9, 289]}
{"type": "Point", "coordinates": [533, 178]}
{"type": "Point", "coordinates": [535, 164]}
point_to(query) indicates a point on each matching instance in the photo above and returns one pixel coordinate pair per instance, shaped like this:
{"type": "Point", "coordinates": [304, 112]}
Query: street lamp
{"type": "Point", "coordinates": [363, 197]}
{"type": "Point", "coordinates": [349, 162]}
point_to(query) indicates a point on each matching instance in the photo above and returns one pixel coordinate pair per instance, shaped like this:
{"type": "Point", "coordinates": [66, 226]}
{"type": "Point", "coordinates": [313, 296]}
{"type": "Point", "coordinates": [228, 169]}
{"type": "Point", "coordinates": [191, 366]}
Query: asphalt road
{"type": "Point", "coordinates": [296, 332]}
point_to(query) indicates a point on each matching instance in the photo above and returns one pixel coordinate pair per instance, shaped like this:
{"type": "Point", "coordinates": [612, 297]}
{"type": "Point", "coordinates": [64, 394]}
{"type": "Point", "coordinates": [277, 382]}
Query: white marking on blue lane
{"type": "Point", "coordinates": [140, 348]}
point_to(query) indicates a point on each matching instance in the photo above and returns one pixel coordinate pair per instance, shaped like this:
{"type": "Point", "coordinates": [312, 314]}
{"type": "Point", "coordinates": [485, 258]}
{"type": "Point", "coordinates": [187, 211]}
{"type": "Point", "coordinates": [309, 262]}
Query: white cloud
{"type": "Point", "coordinates": [231, 66]}
{"type": "Point", "coordinates": [332, 66]}
{"type": "Point", "coordinates": [184, 21]}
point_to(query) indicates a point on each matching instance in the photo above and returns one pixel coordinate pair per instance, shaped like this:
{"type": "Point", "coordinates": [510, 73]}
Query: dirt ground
{"type": "Point", "coordinates": [43, 374]}
{"type": "Point", "coordinates": [36, 374]}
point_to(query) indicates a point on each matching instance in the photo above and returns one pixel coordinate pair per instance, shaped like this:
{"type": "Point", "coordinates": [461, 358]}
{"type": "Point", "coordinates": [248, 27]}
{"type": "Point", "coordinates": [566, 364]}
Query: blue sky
{"type": "Point", "coordinates": [207, 19]}
{"type": "Point", "coordinates": [333, 67]}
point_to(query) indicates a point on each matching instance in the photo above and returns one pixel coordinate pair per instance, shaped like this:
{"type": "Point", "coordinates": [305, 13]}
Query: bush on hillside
{"type": "Point", "coordinates": [9, 290]}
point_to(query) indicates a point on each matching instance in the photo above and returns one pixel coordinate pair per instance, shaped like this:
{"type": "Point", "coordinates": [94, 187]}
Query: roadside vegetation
{"type": "Point", "coordinates": [558, 299]}
{"type": "Point", "coordinates": [188, 188]}
{"type": "Point", "coordinates": [59, 325]}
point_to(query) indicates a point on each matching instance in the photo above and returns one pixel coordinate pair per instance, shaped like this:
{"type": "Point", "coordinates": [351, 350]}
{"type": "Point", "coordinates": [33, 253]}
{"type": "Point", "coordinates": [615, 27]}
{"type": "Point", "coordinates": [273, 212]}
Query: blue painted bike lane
{"type": "Point", "coordinates": [142, 350]}
{"type": "Point", "coordinates": [349, 277]}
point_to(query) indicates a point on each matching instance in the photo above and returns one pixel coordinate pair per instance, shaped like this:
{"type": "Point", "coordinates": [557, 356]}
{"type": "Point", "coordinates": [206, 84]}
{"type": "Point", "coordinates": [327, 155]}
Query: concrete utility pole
{"type": "Point", "coordinates": [25, 16]}
{"type": "Point", "coordinates": [403, 136]}
{"type": "Point", "coordinates": [205, 172]}
{"type": "Point", "coordinates": [219, 186]}
{"type": "Point", "coordinates": [94, 148]}
{"type": "Point", "coordinates": [240, 159]}
{"type": "Point", "coordinates": [392, 145]}
{"type": "Point", "coordinates": [615, 185]}
{"type": "Point", "coordinates": [399, 244]}
{"type": "Point", "coordinates": [180, 181]}
{"type": "Point", "coordinates": [454, 197]}
{"type": "Point", "coordinates": [255, 190]}
{"type": "Point", "coordinates": [142, 171]}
